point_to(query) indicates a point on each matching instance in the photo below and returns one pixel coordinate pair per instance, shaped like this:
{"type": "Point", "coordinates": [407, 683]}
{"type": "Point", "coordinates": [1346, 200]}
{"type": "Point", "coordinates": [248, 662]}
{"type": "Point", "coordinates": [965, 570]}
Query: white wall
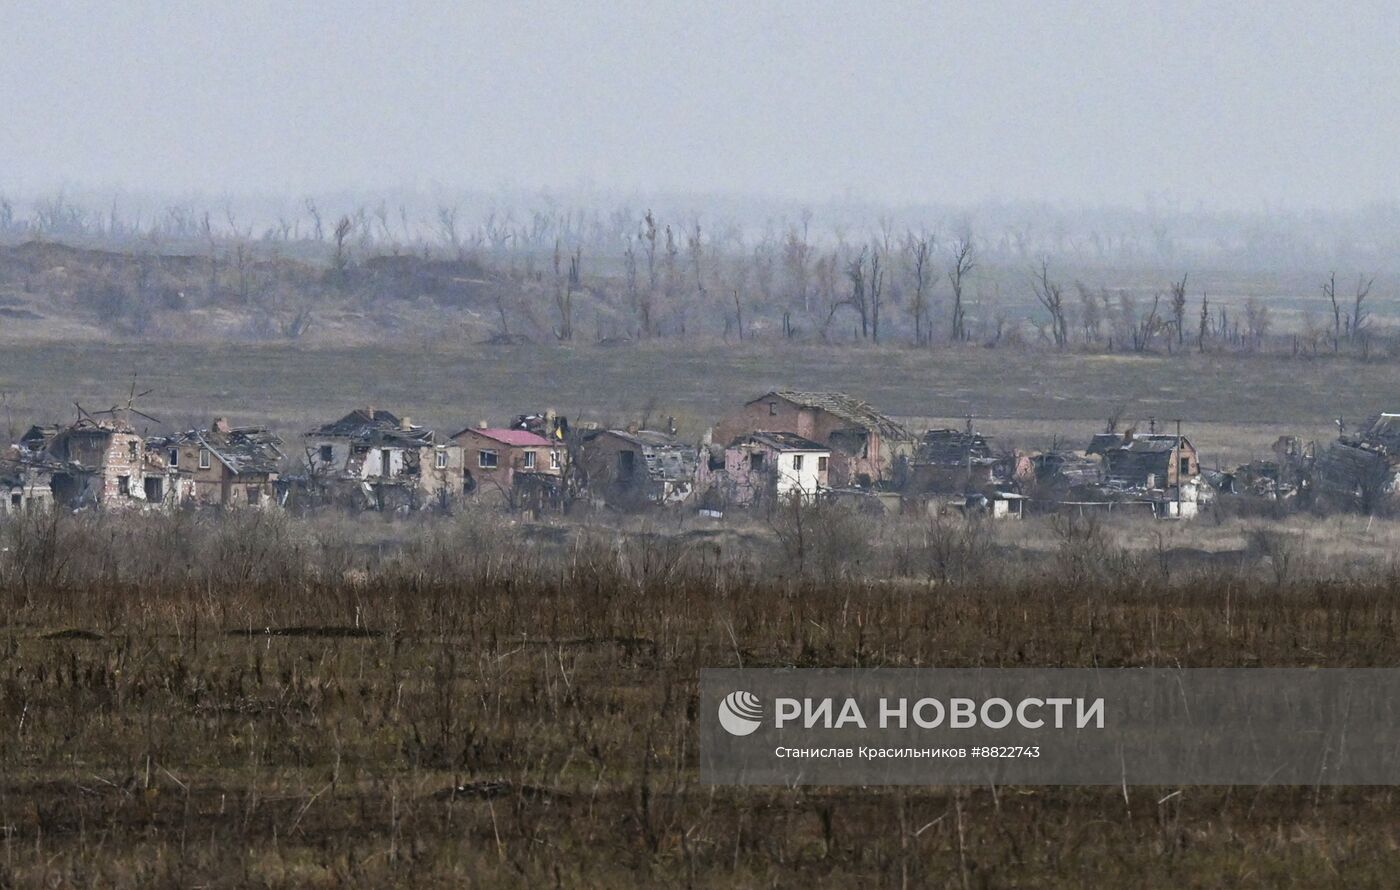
{"type": "Point", "coordinates": [806, 480]}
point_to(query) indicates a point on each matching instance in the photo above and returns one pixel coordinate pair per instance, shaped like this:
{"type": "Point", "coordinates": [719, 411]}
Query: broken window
{"type": "Point", "coordinates": [254, 495]}
{"type": "Point", "coordinates": [327, 453]}
{"type": "Point", "coordinates": [756, 461]}
{"type": "Point", "coordinates": [153, 488]}
{"type": "Point", "coordinates": [204, 458]}
{"type": "Point", "coordinates": [487, 459]}
{"type": "Point", "coordinates": [529, 460]}
{"type": "Point", "coordinates": [132, 450]}
{"type": "Point", "coordinates": [772, 409]}
{"type": "Point", "coordinates": [797, 461]}
{"type": "Point", "coordinates": [554, 460]}
{"type": "Point", "coordinates": [626, 463]}
{"type": "Point", "coordinates": [124, 486]}
{"type": "Point", "coordinates": [16, 499]}
{"type": "Point", "coordinates": [174, 457]}
{"type": "Point", "coordinates": [1185, 466]}
{"type": "Point", "coordinates": [442, 460]}
{"type": "Point", "coordinates": [821, 464]}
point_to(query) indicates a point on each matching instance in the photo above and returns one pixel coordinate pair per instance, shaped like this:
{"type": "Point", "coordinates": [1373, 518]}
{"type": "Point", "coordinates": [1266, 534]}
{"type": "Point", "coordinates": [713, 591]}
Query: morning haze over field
{"type": "Point", "coordinates": [402, 404]}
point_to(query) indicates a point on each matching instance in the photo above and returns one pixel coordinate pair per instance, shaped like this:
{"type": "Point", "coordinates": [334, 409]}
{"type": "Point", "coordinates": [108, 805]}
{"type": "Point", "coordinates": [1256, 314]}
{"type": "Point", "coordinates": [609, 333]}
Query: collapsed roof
{"type": "Point", "coordinates": [244, 450]}
{"type": "Point", "coordinates": [780, 441]}
{"type": "Point", "coordinates": [376, 427]}
{"type": "Point", "coordinates": [850, 409]}
{"type": "Point", "coordinates": [954, 448]}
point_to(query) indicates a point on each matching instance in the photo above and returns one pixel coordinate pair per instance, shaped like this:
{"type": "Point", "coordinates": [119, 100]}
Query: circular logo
{"type": "Point", "coordinates": [740, 713]}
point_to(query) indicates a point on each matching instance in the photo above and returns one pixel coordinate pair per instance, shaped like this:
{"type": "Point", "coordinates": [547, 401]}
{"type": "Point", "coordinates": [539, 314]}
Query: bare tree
{"type": "Point", "coordinates": [797, 253]}
{"type": "Point", "coordinates": [1178, 289]}
{"type": "Point", "coordinates": [919, 249]}
{"type": "Point", "coordinates": [876, 291]}
{"type": "Point", "coordinates": [1149, 327]}
{"type": "Point", "coordinates": [340, 260]}
{"type": "Point", "coordinates": [315, 212]}
{"type": "Point", "coordinates": [1329, 290]}
{"type": "Point", "coordinates": [1256, 321]}
{"type": "Point", "coordinates": [640, 307]}
{"type": "Point", "coordinates": [1090, 313]}
{"type": "Point", "coordinates": [564, 287]}
{"type": "Point", "coordinates": [963, 264]}
{"type": "Point", "coordinates": [1204, 327]}
{"type": "Point", "coordinates": [697, 250]}
{"type": "Point", "coordinates": [855, 273]}
{"type": "Point", "coordinates": [1051, 297]}
{"type": "Point", "coordinates": [1360, 316]}
{"type": "Point", "coordinates": [447, 229]}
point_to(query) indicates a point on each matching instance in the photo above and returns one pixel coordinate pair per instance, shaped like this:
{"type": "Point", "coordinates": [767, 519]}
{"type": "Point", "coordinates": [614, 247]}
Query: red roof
{"type": "Point", "coordinates": [510, 437]}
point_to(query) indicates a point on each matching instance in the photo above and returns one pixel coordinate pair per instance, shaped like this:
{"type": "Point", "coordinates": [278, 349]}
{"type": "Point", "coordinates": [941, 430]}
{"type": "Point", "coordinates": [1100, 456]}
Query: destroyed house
{"type": "Point", "coordinates": [866, 446]}
{"type": "Point", "coordinates": [36, 439]}
{"type": "Point", "coordinates": [98, 463]}
{"type": "Point", "coordinates": [1363, 466]}
{"type": "Point", "coordinates": [623, 466]}
{"type": "Point", "coordinates": [769, 466]}
{"type": "Point", "coordinates": [26, 482]}
{"type": "Point", "coordinates": [1065, 470]}
{"type": "Point", "coordinates": [388, 459]}
{"type": "Point", "coordinates": [955, 460]}
{"type": "Point", "coordinates": [1151, 461]}
{"type": "Point", "coordinates": [219, 466]}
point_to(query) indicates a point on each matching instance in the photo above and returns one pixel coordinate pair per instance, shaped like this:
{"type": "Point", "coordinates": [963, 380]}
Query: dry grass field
{"type": "Point", "coordinates": [263, 701]}
{"type": "Point", "coordinates": [1232, 405]}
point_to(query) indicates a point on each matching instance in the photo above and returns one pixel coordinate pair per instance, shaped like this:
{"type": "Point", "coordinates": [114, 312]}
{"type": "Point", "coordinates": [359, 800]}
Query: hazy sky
{"type": "Point", "coordinates": [1236, 105]}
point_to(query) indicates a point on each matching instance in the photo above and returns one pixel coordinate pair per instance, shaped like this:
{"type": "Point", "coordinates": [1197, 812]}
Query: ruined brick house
{"type": "Point", "coordinates": [766, 467]}
{"type": "Point", "coordinates": [867, 447]}
{"type": "Point", "coordinates": [635, 466]}
{"type": "Point", "coordinates": [1146, 461]}
{"type": "Point", "coordinates": [219, 466]}
{"type": "Point", "coordinates": [26, 482]}
{"type": "Point", "coordinates": [497, 460]}
{"type": "Point", "coordinates": [950, 460]}
{"type": "Point", "coordinates": [1064, 474]}
{"type": "Point", "coordinates": [97, 463]}
{"type": "Point", "coordinates": [387, 460]}
{"type": "Point", "coordinates": [1362, 467]}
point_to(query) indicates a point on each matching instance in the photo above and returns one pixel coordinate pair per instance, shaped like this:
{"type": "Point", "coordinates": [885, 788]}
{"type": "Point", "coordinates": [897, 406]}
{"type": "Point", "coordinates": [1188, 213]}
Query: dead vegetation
{"type": "Point", "coordinates": [472, 701]}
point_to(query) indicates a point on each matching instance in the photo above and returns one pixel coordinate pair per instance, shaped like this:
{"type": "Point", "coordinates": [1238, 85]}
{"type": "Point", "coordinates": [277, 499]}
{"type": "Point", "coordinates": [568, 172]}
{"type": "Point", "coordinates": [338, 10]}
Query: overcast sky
{"type": "Point", "coordinates": [1234, 105]}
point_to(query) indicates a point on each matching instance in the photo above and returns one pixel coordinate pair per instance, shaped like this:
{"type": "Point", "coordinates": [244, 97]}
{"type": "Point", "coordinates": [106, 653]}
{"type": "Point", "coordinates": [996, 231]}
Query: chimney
{"type": "Point", "coordinates": [369, 411]}
{"type": "Point", "coordinates": [481, 425]}
{"type": "Point", "coordinates": [221, 426]}
{"type": "Point", "coordinates": [632, 427]}
{"type": "Point", "coordinates": [671, 424]}
{"type": "Point", "coordinates": [406, 423]}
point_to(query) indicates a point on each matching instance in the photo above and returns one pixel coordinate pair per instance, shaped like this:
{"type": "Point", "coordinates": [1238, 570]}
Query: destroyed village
{"type": "Point", "coordinates": [781, 447]}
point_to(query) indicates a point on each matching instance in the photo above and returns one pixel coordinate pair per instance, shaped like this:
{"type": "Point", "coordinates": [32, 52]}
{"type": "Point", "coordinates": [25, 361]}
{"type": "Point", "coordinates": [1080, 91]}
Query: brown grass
{"type": "Point", "coordinates": [517, 707]}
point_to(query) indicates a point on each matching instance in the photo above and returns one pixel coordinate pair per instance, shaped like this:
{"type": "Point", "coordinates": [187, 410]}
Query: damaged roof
{"type": "Point", "coordinates": [377, 428]}
{"type": "Point", "coordinates": [953, 448]}
{"type": "Point", "coordinates": [848, 408]}
{"type": "Point", "coordinates": [1382, 433]}
{"type": "Point", "coordinates": [358, 422]}
{"type": "Point", "coordinates": [780, 441]}
{"type": "Point", "coordinates": [1139, 443]}
{"type": "Point", "coordinates": [667, 458]}
{"type": "Point", "coordinates": [243, 450]}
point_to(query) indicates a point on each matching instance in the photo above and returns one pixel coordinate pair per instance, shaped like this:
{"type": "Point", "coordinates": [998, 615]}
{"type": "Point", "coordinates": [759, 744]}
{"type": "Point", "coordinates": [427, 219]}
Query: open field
{"type": "Point", "coordinates": [1232, 405]}
{"type": "Point", "coordinates": [470, 703]}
